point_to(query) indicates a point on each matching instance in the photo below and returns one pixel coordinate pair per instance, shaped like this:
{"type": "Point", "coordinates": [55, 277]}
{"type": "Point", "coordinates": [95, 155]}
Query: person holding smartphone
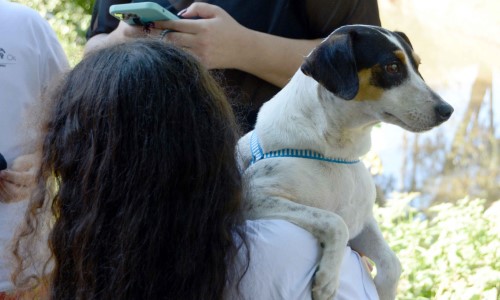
{"type": "Point", "coordinates": [258, 45]}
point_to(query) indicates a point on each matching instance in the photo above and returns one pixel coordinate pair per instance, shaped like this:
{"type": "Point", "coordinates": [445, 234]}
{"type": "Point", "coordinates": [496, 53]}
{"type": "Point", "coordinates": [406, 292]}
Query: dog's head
{"type": "Point", "coordinates": [375, 65]}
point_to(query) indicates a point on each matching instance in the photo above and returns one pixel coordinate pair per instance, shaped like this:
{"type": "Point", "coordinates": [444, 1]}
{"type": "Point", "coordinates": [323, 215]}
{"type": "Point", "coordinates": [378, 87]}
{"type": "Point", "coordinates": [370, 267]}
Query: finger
{"type": "Point", "coordinates": [22, 163]}
{"type": "Point", "coordinates": [12, 193]}
{"type": "Point", "coordinates": [197, 10]}
{"type": "Point", "coordinates": [201, 10]}
{"type": "Point", "coordinates": [18, 178]}
{"type": "Point", "coordinates": [155, 32]}
{"type": "Point", "coordinates": [181, 39]}
{"type": "Point", "coordinates": [4, 195]}
{"type": "Point", "coordinates": [185, 26]}
{"type": "Point", "coordinates": [368, 264]}
{"type": "Point", "coordinates": [10, 189]}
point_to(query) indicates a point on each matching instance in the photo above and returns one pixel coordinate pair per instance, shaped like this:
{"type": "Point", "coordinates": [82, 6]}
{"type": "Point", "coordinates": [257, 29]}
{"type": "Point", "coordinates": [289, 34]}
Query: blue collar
{"type": "Point", "coordinates": [258, 153]}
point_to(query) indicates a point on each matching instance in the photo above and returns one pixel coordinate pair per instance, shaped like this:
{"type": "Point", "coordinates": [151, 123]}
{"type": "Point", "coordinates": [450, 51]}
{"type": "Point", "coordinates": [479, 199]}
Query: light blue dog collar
{"type": "Point", "coordinates": [258, 153]}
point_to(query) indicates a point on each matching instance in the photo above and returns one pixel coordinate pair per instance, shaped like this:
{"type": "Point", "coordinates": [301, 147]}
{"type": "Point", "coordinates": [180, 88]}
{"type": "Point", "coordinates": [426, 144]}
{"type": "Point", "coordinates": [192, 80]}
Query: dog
{"type": "Point", "coordinates": [301, 161]}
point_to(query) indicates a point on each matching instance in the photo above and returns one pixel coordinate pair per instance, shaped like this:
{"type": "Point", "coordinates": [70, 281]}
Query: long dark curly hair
{"type": "Point", "coordinates": [139, 171]}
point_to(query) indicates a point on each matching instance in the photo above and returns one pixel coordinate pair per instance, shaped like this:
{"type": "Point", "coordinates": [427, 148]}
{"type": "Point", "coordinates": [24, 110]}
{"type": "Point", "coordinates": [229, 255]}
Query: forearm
{"type": "Point", "coordinates": [219, 42]}
{"type": "Point", "coordinates": [272, 58]}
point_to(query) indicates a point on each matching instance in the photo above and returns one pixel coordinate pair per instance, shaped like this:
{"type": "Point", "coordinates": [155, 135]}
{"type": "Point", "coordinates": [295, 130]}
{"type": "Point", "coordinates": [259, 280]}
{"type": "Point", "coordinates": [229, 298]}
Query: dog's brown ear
{"type": "Point", "coordinates": [333, 65]}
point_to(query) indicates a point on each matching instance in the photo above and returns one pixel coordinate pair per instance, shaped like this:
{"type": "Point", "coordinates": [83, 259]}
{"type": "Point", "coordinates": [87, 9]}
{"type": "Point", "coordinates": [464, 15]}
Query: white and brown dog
{"type": "Point", "coordinates": [301, 162]}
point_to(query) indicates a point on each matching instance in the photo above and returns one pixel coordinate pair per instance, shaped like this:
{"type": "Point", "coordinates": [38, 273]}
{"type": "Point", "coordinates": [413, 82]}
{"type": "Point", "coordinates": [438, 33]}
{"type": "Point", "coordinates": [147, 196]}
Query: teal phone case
{"type": "Point", "coordinates": [141, 13]}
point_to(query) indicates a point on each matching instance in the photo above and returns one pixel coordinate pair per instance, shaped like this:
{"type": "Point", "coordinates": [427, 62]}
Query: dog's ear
{"type": "Point", "coordinates": [404, 37]}
{"type": "Point", "coordinates": [333, 65]}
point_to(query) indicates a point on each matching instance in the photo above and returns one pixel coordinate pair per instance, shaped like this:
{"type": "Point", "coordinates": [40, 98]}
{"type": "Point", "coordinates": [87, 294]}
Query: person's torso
{"type": "Point", "coordinates": [30, 56]}
{"type": "Point", "coordinates": [306, 19]}
{"type": "Point", "coordinates": [20, 77]}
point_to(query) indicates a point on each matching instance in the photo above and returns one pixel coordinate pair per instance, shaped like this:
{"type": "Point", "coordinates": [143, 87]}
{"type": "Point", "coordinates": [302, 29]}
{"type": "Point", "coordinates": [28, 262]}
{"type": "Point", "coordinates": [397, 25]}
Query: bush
{"type": "Point", "coordinates": [450, 252]}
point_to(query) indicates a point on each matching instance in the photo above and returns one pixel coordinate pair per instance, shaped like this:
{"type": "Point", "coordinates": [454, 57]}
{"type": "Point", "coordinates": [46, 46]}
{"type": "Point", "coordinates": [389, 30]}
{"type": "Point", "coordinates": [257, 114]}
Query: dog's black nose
{"type": "Point", "coordinates": [443, 111]}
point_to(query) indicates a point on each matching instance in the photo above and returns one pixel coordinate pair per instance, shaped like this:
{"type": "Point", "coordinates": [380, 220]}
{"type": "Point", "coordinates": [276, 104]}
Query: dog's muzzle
{"type": "Point", "coordinates": [443, 111]}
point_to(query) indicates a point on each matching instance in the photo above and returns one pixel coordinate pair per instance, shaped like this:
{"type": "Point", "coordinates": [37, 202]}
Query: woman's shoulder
{"type": "Point", "coordinates": [279, 235]}
{"type": "Point", "coordinates": [282, 260]}
{"type": "Point", "coordinates": [19, 12]}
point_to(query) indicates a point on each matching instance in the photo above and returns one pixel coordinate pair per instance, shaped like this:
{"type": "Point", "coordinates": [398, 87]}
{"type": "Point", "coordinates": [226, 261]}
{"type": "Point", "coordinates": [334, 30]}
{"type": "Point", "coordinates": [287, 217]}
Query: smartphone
{"type": "Point", "coordinates": [141, 13]}
{"type": "Point", "coordinates": [3, 163]}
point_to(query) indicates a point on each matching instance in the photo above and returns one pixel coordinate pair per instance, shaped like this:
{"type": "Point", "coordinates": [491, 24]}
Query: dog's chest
{"type": "Point", "coordinates": [346, 190]}
{"type": "Point", "coordinates": [351, 194]}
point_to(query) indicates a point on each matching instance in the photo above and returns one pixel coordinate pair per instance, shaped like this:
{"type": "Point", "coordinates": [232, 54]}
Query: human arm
{"type": "Point", "coordinates": [222, 43]}
{"type": "Point", "coordinates": [270, 57]}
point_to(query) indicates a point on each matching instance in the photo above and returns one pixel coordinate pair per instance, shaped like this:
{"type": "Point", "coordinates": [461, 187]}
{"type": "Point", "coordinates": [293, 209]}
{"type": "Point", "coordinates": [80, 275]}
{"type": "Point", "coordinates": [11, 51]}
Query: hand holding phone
{"type": "Point", "coordinates": [141, 13]}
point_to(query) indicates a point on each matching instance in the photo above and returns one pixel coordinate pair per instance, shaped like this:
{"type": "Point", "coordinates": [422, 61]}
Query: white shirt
{"type": "Point", "coordinates": [30, 57]}
{"type": "Point", "coordinates": [283, 259]}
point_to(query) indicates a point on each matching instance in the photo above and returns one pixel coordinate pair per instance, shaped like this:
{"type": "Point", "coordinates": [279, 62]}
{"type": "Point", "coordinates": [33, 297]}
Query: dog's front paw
{"type": "Point", "coordinates": [388, 292]}
{"type": "Point", "coordinates": [325, 285]}
{"type": "Point", "coordinates": [387, 278]}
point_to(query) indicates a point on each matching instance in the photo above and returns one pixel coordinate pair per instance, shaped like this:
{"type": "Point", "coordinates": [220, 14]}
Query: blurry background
{"type": "Point", "coordinates": [439, 191]}
{"type": "Point", "coordinates": [459, 43]}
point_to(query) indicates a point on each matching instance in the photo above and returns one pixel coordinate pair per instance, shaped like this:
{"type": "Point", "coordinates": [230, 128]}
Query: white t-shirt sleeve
{"type": "Point", "coordinates": [355, 281]}
{"type": "Point", "coordinates": [53, 61]}
{"type": "Point", "coordinates": [283, 260]}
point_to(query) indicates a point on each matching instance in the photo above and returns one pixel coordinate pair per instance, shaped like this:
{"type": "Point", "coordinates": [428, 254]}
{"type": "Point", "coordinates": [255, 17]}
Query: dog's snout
{"type": "Point", "coordinates": [443, 111]}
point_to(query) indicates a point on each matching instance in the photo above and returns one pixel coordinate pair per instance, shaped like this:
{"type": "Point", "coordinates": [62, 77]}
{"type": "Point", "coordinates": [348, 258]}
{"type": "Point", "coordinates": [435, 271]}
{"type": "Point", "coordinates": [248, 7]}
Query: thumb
{"type": "Point", "coordinates": [18, 178]}
{"type": "Point", "coordinates": [22, 163]}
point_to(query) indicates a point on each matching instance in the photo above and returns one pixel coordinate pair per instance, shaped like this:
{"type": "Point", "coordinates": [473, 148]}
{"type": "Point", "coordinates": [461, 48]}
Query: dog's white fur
{"type": "Point", "coordinates": [332, 201]}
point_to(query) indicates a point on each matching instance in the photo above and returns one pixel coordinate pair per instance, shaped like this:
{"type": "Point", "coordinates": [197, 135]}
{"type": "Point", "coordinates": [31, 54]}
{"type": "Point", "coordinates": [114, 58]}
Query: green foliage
{"type": "Point", "coordinates": [69, 19]}
{"type": "Point", "coordinates": [452, 252]}
{"type": "Point", "coordinates": [85, 4]}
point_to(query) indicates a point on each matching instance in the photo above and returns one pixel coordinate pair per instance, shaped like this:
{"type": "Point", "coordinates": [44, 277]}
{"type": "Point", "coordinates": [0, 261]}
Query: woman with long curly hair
{"type": "Point", "coordinates": [139, 145]}
{"type": "Point", "coordinates": [140, 193]}
{"type": "Point", "coordinates": [139, 178]}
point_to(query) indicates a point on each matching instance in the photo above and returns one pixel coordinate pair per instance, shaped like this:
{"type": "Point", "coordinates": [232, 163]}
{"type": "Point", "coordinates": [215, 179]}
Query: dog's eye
{"type": "Point", "coordinates": [392, 68]}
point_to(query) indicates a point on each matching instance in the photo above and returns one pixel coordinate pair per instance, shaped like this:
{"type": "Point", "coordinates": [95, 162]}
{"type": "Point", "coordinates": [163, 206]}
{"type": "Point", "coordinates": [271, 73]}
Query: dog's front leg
{"type": "Point", "coordinates": [371, 242]}
{"type": "Point", "coordinates": [328, 228]}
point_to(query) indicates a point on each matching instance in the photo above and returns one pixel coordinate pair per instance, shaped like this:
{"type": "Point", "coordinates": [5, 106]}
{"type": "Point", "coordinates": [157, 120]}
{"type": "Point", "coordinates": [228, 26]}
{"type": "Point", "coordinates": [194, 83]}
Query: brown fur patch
{"type": "Point", "coordinates": [401, 55]}
{"type": "Point", "coordinates": [417, 59]}
{"type": "Point", "coordinates": [367, 91]}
